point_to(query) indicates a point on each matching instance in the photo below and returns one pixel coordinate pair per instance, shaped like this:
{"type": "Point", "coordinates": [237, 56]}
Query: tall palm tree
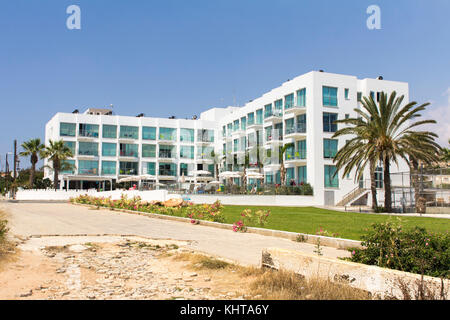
{"type": "Point", "coordinates": [32, 148]}
{"type": "Point", "coordinates": [57, 152]}
{"type": "Point", "coordinates": [283, 150]}
{"type": "Point", "coordinates": [445, 154]}
{"type": "Point", "coordinates": [390, 136]}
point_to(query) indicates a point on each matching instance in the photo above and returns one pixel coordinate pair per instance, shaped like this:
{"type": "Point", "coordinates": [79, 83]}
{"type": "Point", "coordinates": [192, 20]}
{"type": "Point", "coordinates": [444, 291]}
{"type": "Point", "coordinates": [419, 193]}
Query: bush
{"type": "Point", "coordinates": [258, 218]}
{"type": "Point", "coordinates": [3, 229]}
{"type": "Point", "coordinates": [388, 245]}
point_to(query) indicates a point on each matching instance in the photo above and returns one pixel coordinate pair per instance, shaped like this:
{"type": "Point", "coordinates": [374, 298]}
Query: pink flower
{"type": "Point", "coordinates": [353, 252]}
{"type": "Point", "coordinates": [426, 244]}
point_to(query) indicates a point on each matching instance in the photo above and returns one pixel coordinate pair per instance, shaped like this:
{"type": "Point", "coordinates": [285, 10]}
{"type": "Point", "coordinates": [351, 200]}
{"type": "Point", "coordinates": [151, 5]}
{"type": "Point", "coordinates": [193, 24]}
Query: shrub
{"type": "Point", "coordinates": [258, 218]}
{"type": "Point", "coordinates": [388, 245]}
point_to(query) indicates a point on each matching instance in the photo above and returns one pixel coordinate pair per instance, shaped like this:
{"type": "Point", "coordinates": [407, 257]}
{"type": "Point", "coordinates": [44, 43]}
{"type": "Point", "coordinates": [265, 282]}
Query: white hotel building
{"type": "Point", "coordinates": [301, 111]}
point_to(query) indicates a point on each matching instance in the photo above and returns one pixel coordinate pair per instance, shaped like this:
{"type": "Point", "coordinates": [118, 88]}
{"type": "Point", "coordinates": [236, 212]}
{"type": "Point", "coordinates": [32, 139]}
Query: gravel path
{"type": "Point", "coordinates": [30, 219]}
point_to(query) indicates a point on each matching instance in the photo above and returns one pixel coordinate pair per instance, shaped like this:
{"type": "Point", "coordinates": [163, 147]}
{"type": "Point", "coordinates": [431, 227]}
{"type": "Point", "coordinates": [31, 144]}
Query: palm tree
{"type": "Point", "coordinates": [283, 150]}
{"type": "Point", "coordinates": [445, 154]}
{"type": "Point", "coordinates": [389, 135]}
{"type": "Point", "coordinates": [358, 152]}
{"type": "Point", "coordinates": [32, 148]}
{"type": "Point", "coordinates": [57, 152]}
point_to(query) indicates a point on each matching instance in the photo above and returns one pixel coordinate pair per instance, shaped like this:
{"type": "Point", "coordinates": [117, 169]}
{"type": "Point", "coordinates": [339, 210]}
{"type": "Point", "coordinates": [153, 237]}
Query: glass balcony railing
{"type": "Point", "coordinates": [299, 128]}
{"type": "Point", "coordinates": [88, 133]}
{"type": "Point", "coordinates": [133, 154]}
{"type": "Point", "coordinates": [273, 113]}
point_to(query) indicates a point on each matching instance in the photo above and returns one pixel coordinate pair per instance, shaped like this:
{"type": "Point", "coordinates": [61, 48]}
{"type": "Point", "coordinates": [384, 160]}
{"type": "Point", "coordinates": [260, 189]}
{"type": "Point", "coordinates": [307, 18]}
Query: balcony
{"type": "Point", "coordinates": [274, 139]}
{"type": "Point", "coordinates": [87, 135]}
{"type": "Point", "coordinates": [254, 125]}
{"type": "Point", "coordinates": [296, 159]}
{"type": "Point", "coordinates": [297, 131]}
{"type": "Point", "coordinates": [274, 116]}
{"type": "Point", "coordinates": [295, 109]}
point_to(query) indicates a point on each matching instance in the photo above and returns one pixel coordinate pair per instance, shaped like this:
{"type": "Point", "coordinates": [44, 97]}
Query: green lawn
{"type": "Point", "coordinates": [348, 225]}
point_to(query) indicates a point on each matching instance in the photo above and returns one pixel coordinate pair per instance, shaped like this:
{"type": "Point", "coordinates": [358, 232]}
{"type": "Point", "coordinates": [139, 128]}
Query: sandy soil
{"type": "Point", "coordinates": [124, 268]}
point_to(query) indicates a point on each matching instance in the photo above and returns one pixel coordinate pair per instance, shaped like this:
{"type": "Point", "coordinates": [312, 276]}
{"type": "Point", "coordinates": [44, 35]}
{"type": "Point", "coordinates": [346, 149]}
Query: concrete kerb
{"type": "Point", "coordinates": [337, 243]}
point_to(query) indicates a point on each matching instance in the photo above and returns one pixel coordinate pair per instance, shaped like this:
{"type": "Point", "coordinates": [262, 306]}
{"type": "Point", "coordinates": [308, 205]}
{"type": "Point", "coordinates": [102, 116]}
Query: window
{"type": "Point", "coordinates": [329, 96]}
{"type": "Point", "coordinates": [302, 174]}
{"type": "Point", "coordinates": [205, 152]}
{"type": "Point", "coordinates": [347, 116]}
{"type": "Point", "coordinates": [148, 133]}
{"type": "Point", "coordinates": [251, 139]}
{"type": "Point", "coordinates": [183, 169]}
{"type": "Point", "coordinates": [251, 118]}
{"type": "Point", "coordinates": [235, 145]}
{"type": "Point", "coordinates": [346, 92]}
{"type": "Point", "coordinates": [186, 135]}
{"type": "Point", "coordinates": [128, 150]}
{"type": "Point", "coordinates": [150, 168]}
{"type": "Point", "coordinates": [148, 151]}
{"type": "Point", "coordinates": [331, 180]}
{"type": "Point", "coordinates": [236, 125]}
{"type": "Point", "coordinates": [70, 145]}
{"type": "Point", "coordinates": [301, 123]}
{"type": "Point", "coordinates": [379, 177]}
{"type": "Point", "coordinates": [372, 95]}
{"type": "Point", "coordinates": [109, 131]}
{"type": "Point", "coordinates": [109, 149]}
{"type": "Point", "coordinates": [328, 122]}
{"type": "Point", "coordinates": [224, 131]}
{"type": "Point", "coordinates": [279, 104]}
{"type": "Point", "coordinates": [290, 152]}
{"type": "Point", "coordinates": [229, 129]}
{"type": "Point", "coordinates": [168, 134]}
{"type": "Point", "coordinates": [301, 98]}
{"type": "Point", "coordinates": [289, 101]}
{"type": "Point", "coordinates": [68, 166]}
{"type": "Point", "coordinates": [289, 127]}
{"type": "Point", "coordinates": [268, 110]}
{"type": "Point", "coordinates": [301, 149]}
{"type": "Point", "coordinates": [268, 133]}
{"type": "Point", "coordinates": [67, 129]}
{"type": "Point", "coordinates": [329, 148]}
{"type": "Point", "coordinates": [88, 148]}
{"type": "Point", "coordinates": [167, 169]}
{"type": "Point", "coordinates": [378, 96]}
{"type": "Point", "coordinates": [204, 135]}
{"type": "Point", "coordinates": [88, 130]}
{"type": "Point", "coordinates": [167, 152]}
{"type": "Point", "coordinates": [269, 178]}
{"type": "Point", "coordinates": [359, 96]}
{"type": "Point", "coordinates": [128, 168]}
{"type": "Point", "coordinates": [187, 152]}
{"type": "Point", "coordinates": [259, 116]}
{"type": "Point", "coordinates": [108, 167]}
{"type": "Point", "coordinates": [127, 132]}
{"type": "Point", "coordinates": [88, 167]}
{"type": "Point", "coordinates": [290, 175]}
{"type": "Point", "coordinates": [243, 144]}
{"type": "Point", "coordinates": [244, 123]}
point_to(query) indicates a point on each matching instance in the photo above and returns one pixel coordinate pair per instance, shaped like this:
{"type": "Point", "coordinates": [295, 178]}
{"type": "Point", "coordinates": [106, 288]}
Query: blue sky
{"type": "Point", "coordinates": [178, 58]}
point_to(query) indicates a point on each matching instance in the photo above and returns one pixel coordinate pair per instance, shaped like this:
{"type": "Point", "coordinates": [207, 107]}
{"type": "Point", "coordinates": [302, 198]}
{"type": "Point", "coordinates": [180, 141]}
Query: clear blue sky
{"type": "Point", "coordinates": [180, 57]}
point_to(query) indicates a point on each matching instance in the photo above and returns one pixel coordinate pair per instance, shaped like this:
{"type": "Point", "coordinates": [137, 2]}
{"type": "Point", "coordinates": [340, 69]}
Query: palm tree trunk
{"type": "Point", "coordinates": [55, 178]}
{"type": "Point", "coordinates": [414, 169]}
{"type": "Point", "coordinates": [282, 174]}
{"type": "Point", "coordinates": [32, 174]}
{"type": "Point", "coordinates": [373, 186]}
{"type": "Point", "coordinates": [387, 186]}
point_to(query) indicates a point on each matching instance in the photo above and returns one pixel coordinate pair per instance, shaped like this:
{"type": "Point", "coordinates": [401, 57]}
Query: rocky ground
{"type": "Point", "coordinates": [121, 268]}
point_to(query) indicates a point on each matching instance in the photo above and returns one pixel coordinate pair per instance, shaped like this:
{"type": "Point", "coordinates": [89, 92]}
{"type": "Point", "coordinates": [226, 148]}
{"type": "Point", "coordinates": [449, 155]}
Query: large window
{"type": "Point", "coordinates": [167, 152]}
{"type": "Point", "coordinates": [88, 130]}
{"type": "Point", "coordinates": [330, 147]}
{"type": "Point", "coordinates": [279, 104]}
{"type": "Point", "coordinates": [67, 129]}
{"type": "Point", "coordinates": [88, 149]}
{"type": "Point", "coordinates": [259, 116]}
{"type": "Point", "coordinates": [109, 149]}
{"type": "Point", "coordinates": [70, 145]}
{"type": "Point", "coordinates": [289, 126]}
{"type": "Point", "coordinates": [235, 145]}
{"type": "Point", "coordinates": [128, 168]}
{"type": "Point", "coordinates": [149, 168]}
{"type": "Point", "coordinates": [129, 150]}
{"type": "Point", "coordinates": [301, 123]}
{"type": "Point", "coordinates": [329, 96]}
{"type": "Point", "coordinates": [301, 149]}
{"type": "Point", "coordinates": [184, 169]}
{"type": "Point", "coordinates": [251, 118]}
{"type": "Point", "coordinates": [187, 152]}
{"type": "Point", "coordinates": [268, 110]}
{"type": "Point", "coordinates": [302, 174]}
{"type": "Point", "coordinates": [109, 131]}
{"type": "Point", "coordinates": [167, 169]}
{"type": "Point", "coordinates": [88, 167]}
{"type": "Point", "coordinates": [290, 175]}
{"type": "Point", "coordinates": [289, 101]}
{"type": "Point", "coordinates": [331, 180]}
{"type": "Point", "coordinates": [148, 150]}
{"type": "Point", "coordinates": [68, 167]}
{"type": "Point", "coordinates": [205, 152]}
{"type": "Point", "coordinates": [236, 125]}
{"type": "Point", "coordinates": [301, 98]}
{"type": "Point", "coordinates": [328, 122]}
{"type": "Point", "coordinates": [204, 135]}
{"type": "Point", "coordinates": [243, 143]}
{"type": "Point", "coordinates": [244, 123]}
{"type": "Point", "coordinates": [127, 132]}
{"type": "Point", "coordinates": [186, 135]}
{"type": "Point", "coordinates": [379, 177]}
{"type": "Point", "coordinates": [168, 134]}
{"type": "Point", "coordinates": [148, 133]}
{"type": "Point", "coordinates": [109, 167]}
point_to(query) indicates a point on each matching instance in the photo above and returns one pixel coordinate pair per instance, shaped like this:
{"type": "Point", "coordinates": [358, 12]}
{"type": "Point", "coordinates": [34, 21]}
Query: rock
{"type": "Point", "coordinates": [173, 203]}
{"type": "Point", "coordinates": [26, 294]}
{"type": "Point", "coordinates": [77, 248]}
{"type": "Point", "coordinates": [207, 279]}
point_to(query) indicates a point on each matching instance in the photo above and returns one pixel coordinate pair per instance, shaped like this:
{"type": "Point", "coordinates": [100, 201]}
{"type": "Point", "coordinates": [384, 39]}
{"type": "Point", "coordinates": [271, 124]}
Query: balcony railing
{"type": "Point", "coordinates": [88, 134]}
{"type": "Point", "coordinates": [299, 128]}
{"type": "Point", "coordinates": [273, 113]}
{"type": "Point", "coordinates": [129, 154]}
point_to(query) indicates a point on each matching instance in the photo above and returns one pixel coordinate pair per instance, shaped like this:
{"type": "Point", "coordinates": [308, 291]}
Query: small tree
{"type": "Point", "coordinates": [57, 152]}
{"type": "Point", "coordinates": [33, 149]}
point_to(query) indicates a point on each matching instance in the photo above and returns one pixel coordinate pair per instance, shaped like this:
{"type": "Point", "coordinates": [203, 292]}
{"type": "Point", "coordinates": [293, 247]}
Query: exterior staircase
{"type": "Point", "coordinates": [352, 196]}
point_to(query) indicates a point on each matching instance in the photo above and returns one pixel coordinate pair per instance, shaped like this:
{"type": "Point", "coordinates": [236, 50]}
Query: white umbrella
{"type": "Point", "coordinates": [255, 175]}
{"type": "Point", "coordinates": [198, 172]}
{"type": "Point", "coordinates": [147, 177]}
{"type": "Point", "coordinates": [215, 182]}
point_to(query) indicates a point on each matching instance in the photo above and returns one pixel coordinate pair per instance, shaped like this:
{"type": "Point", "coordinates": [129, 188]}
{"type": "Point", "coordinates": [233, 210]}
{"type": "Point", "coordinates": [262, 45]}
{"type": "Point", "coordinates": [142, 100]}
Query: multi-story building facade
{"type": "Point", "coordinates": [301, 113]}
